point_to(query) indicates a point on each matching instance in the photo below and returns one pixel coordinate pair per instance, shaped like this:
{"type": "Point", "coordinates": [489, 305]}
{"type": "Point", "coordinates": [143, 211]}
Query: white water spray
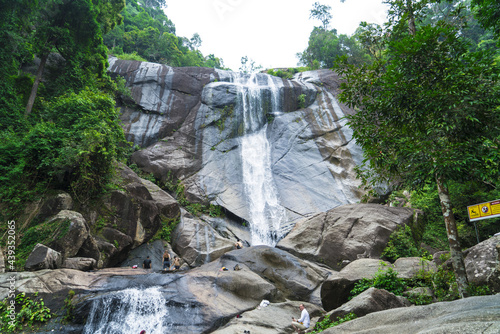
{"type": "Point", "coordinates": [266, 213]}
{"type": "Point", "coordinates": [130, 311]}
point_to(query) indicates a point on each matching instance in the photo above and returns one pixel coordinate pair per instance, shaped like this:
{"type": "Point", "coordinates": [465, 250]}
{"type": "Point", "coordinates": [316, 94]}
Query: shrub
{"type": "Point", "coordinates": [301, 101]}
{"type": "Point", "coordinates": [327, 323]}
{"type": "Point", "coordinates": [29, 312]}
{"type": "Point", "coordinates": [402, 244]}
{"type": "Point", "coordinates": [384, 279]}
{"type": "Point", "coordinates": [130, 56]}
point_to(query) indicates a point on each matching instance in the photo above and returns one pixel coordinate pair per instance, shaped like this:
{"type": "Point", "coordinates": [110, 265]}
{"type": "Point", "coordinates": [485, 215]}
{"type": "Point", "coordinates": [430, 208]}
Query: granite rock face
{"type": "Point", "coordinates": [482, 263]}
{"type": "Point", "coordinates": [43, 257]}
{"type": "Point", "coordinates": [190, 123]}
{"type": "Point", "coordinates": [197, 242]}
{"type": "Point", "coordinates": [72, 231]}
{"type": "Point", "coordinates": [369, 301]}
{"type": "Point", "coordinates": [464, 316]}
{"type": "Point", "coordinates": [345, 233]}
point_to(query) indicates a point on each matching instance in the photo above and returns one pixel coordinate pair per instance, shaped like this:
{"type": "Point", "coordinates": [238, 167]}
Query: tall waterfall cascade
{"type": "Point", "coordinates": [266, 213]}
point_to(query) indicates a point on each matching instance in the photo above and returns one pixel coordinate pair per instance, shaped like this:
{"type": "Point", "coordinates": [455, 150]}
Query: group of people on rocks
{"type": "Point", "coordinates": [177, 261]}
{"type": "Point", "coordinates": [298, 325]}
{"type": "Point", "coordinates": [166, 262]}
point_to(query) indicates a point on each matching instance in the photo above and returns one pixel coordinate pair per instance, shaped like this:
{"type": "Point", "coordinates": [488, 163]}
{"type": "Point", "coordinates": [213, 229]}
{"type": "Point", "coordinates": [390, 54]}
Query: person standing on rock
{"type": "Point", "coordinates": [238, 244]}
{"type": "Point", "coordinates": [177, 263]}
{"type": "Point", "coordinates": [304, 321]}
{"type": "Point", "coordinates": [166, 261]}
{"type": "Point", "coordinates": [147, 263]}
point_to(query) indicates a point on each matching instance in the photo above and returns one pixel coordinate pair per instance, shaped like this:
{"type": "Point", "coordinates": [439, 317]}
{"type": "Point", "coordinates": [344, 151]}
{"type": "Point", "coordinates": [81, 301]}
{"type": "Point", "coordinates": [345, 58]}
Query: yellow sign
{"type": "Point", "coordinates": [495, 207]}
{"type": "Point", "coordinates": [484, 210]}
{"type": "Point", "coordinates": [473, 211]}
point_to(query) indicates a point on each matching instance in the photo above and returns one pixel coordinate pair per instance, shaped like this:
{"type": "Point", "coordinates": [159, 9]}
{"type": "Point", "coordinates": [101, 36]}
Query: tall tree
{"type": "Point", "coordinates": [488, 14]}
{"type": "Point", "coordinates": [70, 28]}
{"type": "Point", "coordinates": [428, 113]}
{"type": "Point", "coordinates": [322, 13]}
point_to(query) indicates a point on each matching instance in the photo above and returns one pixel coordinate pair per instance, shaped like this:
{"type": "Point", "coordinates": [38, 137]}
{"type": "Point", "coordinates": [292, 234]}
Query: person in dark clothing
{"type": "Point", "coordinates": [147, 263]}
{"type": "Point", "coordinates": [238, 244]}
{"type": "Point", "coordinates": [166, 261]}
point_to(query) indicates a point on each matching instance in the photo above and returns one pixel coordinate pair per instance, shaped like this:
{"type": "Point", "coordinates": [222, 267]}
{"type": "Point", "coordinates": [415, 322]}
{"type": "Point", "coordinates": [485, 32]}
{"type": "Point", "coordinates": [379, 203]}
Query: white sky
{"type": "Point", "coordinates": [270, 32]}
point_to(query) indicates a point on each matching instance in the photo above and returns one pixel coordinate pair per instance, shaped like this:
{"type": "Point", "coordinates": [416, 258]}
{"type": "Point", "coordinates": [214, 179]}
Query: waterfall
{"type": "Point", "coordinates": [130, 311]}
{"type": "Point", "coordinates": [265, 212]}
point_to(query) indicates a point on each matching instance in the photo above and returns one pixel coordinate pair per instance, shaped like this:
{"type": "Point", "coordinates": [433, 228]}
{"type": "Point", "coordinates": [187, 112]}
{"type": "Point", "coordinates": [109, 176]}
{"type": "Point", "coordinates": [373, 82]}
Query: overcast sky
{"type": "Point", "coordinates": [270, 32]}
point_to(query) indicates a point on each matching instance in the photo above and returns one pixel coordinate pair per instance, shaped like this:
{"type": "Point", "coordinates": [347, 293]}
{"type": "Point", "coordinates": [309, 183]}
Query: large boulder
{"type": "Point", "coordinates": [295, 278]}
{"type": "Point", "coordinates": [409, 267]}
{"type": "Point", "coordinates": [197, 242]}
{"type": "Point", "coordinates": [336, 290]}
{"type": "Point", "coordinates": [90, 249]}
{"type": "Point", "coordinates": [128, 218]}
{"type": "Point", "coordinates": [50, 281]}
{"type": "Point", "coordinates": [45, 208]}
{"type": "Point", "coordinates": [43, 257]}
{"type": "Point", "coordinates": [345, 233]}
{"type": "Point", "coordinates": [481, 262]}
{"type": "Point", "coordinates": [71, 232]}
{"type": "Point", "coordinates": [464, 316]}
{"type": "Point", "coordinates": [80, 263]}
{"type": "Point", "coordinates": [369, 301]}
{"type": "Point", "coordinates": [272, 319]}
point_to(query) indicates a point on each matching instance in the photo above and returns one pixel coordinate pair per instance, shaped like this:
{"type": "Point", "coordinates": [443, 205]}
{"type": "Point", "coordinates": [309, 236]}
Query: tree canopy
{"type": "Point", "coordinates": [428, 111]}
{"type": "Point", "coordinates": [149, 33]}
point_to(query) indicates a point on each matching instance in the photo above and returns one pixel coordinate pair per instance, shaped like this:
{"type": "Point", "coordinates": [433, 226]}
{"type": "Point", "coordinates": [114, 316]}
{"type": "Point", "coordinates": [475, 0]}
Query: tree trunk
{"type": "Point", "coordinates": [34, 89]}
{"type": "Point", "coordinates": [411, 18]}
{"type": "Point", "coordinates": [457, 258]}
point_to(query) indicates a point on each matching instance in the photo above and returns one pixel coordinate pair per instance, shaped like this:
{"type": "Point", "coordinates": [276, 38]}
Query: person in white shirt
{"type": "Point", "coordinates": [303, 322]}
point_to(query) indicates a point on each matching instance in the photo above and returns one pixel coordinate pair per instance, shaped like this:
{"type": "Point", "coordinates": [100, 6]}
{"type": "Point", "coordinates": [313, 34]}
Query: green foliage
{"type": "Point", "coordinates": [301, 101]}
{"type": "Point", "coordinates": [168, 225]}
{"type": "Point", "coordinates": [225, 113]}
{"type": "Point", "coordinates": [38, 232]}
{"type": "Point", "coordinates": [478, 290]}
{"type": "Point", "coordinates": [419, 299]}
{"type": "Point", "coordinates": [488, 14]}
{"type": "Point", "coordinates": [130, 56]}
{"type": "Point", "coordinates": [385, 278]}
{"type": "Point", "coordinates": [29, 312]}
{"type": "Point", "coordinates": [434, 95]}
{"type": "Point", "coordinates": [72, 146]}
{"type": "Point", "coordinates": [325, 47]}
{"type": "Point", "coordinates": [327, 323]}
{"type": "Point", "coordinates": [441, 282]}
{"type": "Point", "coordinates": [148, 34]}
{"type": "Point", "coordinates": [285, 74]}
{"type": "Point", "coordinates": [402, 244]}
{"type": "Point", "coordinates": [462, 194]}
{"type": "Point", "coordinates": [249, 65]}
{"type": "Point", "coordinates": [69, 307]}
{"type": "Point", "coordinates": [322, 13]}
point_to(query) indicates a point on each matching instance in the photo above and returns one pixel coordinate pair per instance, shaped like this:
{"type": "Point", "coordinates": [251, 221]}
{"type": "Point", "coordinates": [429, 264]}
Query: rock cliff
{"type": "Point", "coordinates": [189, 124]}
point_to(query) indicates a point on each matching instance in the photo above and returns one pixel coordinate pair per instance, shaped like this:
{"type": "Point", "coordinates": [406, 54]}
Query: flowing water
{"type": "Point", "coordinates": [134, 309]}
{"type": "Point", "coordinates": [259, 96]}
{"type": "Point", "coordinates": [130, 311]}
